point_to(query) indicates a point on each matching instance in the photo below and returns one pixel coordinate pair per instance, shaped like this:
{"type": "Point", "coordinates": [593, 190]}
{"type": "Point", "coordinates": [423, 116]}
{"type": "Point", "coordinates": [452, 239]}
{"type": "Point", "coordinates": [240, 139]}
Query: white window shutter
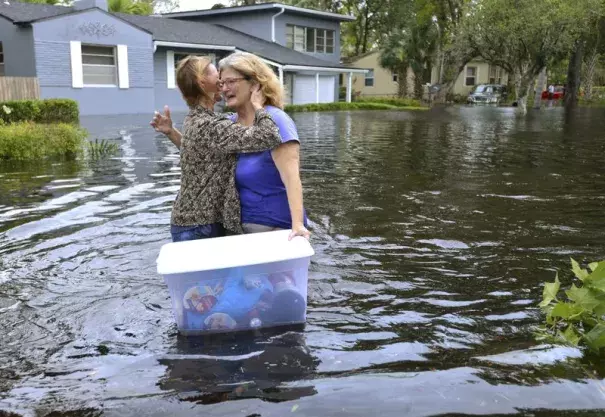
{"type": "Point", "coordinates": [170, 74]}
{"type": "Point", "coordinates": [77, 76]}
{"type": "Point", "coordinates": [123, 80]}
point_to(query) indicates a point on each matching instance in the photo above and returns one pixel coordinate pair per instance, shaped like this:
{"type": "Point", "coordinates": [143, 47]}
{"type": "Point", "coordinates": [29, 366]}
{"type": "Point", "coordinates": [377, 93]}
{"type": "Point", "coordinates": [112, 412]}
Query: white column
{"type": "Point", "coordinates": [349, 86]}
{"type": "Point", "coordinates": [170, 73]}
{"type": "Point", "coordinates": [317, 87]}
{"type": "Point", "coordinates": [281, 75]}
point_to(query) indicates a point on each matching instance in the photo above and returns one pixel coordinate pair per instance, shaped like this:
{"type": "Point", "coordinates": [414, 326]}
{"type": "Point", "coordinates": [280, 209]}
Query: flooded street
{"type": "Point", "coordinates": [433, 231]}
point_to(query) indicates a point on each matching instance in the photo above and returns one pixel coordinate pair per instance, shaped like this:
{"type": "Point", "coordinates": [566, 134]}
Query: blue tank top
{"type": "Point", "coordinates": [262, 193]}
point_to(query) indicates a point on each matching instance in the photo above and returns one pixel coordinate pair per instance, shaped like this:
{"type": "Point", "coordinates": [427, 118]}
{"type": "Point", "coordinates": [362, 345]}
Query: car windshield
{"type": "Point", "coordinates": [484, 89]}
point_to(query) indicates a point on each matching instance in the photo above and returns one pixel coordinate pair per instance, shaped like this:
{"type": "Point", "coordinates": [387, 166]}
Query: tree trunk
{"type": "Point", "coordinates": [522, 86]}
{"type": "Point", "coordinates": [591, 66]}
{"type": "Point", "coordinates": [574, 70]}
{"type": "Point", "coordinates": [418, 90]}
{"type": "Point", "coordinates": [402, 86]}
{"type": "Point", "coordinates": [539, 89]}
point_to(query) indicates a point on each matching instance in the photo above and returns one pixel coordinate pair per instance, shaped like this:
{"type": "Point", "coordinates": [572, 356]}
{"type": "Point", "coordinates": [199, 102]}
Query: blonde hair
{"type": "Point", "coordinates": [190, 72]}
{"type": "Point", "coordinates": [254, 69]}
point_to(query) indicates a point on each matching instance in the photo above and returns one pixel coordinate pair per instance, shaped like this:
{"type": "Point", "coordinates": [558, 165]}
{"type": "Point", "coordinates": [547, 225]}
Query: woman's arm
{"type": "Point", "coordinates": [287, 161]}
{"type": "Point", "coordinates": [230, 137]}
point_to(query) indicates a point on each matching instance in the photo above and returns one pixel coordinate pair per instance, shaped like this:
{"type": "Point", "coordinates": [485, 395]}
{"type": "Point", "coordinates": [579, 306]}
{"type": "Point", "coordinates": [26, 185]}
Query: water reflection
{"type": "Point", "coordinates": [433, 232]}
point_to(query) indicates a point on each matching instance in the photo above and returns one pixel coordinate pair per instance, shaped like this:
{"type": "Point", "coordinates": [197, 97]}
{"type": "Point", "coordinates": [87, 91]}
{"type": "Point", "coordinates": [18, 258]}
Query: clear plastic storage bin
{"type": "Point", "coordinates": [237, 282]}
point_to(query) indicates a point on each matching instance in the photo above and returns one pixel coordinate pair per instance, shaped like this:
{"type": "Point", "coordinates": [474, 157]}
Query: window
{"type": "Point", "coordinates": [1, 60]}
{"type": "Point", "coordinates": [395, 77]}
{"type": "Point", "coordinates": [471, 76]}
{"type": "Point", "coordinates": [310, 39]}
{"type": "Point", "coordinates": [99, 65]}
{"type": "Point", "coordinates": [495, 75]}
{"type": "Point", "coordinates": [369, 78]}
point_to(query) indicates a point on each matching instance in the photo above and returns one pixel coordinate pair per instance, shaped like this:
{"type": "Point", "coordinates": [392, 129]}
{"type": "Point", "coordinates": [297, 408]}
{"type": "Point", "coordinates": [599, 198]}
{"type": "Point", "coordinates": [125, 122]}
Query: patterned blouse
{"type": "Point", "coordinates": [209, 147]}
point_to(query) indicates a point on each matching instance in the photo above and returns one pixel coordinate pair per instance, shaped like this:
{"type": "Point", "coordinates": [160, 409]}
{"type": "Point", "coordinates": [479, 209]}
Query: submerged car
{"type": "Point", "coordinates": [487, 94]}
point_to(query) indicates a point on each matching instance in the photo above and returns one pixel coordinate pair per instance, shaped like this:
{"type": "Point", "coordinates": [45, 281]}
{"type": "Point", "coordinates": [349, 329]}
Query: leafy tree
{"type": "Point", "coordinates": [527, 39]}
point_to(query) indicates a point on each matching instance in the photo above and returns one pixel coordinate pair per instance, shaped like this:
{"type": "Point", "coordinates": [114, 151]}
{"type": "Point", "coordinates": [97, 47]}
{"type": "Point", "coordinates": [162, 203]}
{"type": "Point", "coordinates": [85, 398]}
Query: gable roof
{"type": "Point", "coordinates": [262, 6]}
{"type": "Point", "coordinates": [27, 12]}
{"type": "Point", "coordinates": [174, 30]}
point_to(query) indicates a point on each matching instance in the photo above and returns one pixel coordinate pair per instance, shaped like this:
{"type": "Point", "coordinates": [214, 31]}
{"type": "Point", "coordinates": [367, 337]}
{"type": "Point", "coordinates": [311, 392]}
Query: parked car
{"type": "Point", "coordinates": [487, 94]}
{"type": "Point", "coordinates": [558, 93]}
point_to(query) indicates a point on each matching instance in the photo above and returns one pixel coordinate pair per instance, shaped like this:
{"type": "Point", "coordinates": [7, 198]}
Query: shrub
{"type": "Point", "coordinates": [58, 111]}
{"type": "Point", "coordinates": [394, 101]}
{"type": "Point", "coordinates": [41, 111]}
{"type": "Point", "coordinates": [27, 140]}
{"type": "Point", "coordinates": [19, 111]}
{"type": "Point", "coordinates": [344, 106]}
{"type": "Point", "coordinates": [577, 318]}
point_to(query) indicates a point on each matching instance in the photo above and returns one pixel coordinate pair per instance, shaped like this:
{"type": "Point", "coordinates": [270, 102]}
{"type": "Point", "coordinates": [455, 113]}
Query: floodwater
{"type": "Point", "coordinates": [433, 234]}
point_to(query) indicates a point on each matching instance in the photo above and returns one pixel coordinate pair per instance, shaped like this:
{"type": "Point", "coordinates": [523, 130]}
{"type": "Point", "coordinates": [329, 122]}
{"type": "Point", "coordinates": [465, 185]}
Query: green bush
{"type": "Point", "coordinates": [40, 111]}
{"type": "Point", "coordinates": [27, 140]}
{"type": "Point", "coordinates": [58, 111]}
{"type": "Point", "coordinates": [345, 106]}
{"type": "Point", "coordinates": [394, 101]}
{"type": "Point", "coordinates": [577, 318]}
{"type": "Point", "coordinates": [19, 110]}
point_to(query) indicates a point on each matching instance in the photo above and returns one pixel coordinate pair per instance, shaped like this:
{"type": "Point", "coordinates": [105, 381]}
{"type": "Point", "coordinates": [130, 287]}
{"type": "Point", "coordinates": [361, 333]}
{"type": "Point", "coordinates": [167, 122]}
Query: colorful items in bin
{"type": "Point", "coordinates": [244, 302]}
{"type": "Point", "coordinates": [203, 297]}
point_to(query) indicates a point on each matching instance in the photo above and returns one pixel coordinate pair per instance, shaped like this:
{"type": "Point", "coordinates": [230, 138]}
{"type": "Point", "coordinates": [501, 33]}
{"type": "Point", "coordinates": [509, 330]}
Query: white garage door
{"type": "Point", "coordinates": [327, 85]}
{"type": "Point", "coordinates": [304, 89]}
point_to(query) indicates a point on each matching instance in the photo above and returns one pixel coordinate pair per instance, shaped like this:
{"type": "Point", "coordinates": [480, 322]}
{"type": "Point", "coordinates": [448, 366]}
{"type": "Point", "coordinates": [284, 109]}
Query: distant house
{"type": "Point", "coordinates": [475, 72]}
{"type": "Point", "coordinates": [378, 81]}
{"type": "Point", "coordinates": [382, 82]}
{"type": "Point", "coordinates": [125, 64]}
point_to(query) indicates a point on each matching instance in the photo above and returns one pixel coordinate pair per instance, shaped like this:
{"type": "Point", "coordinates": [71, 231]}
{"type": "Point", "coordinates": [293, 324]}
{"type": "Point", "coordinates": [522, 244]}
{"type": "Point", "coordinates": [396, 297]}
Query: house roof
{"type": "Point", "coordinates": [28, 12]}
{"type": "Point", "coordinates": [180, 31]}
{"type": "Point", "coordinates": [174, 30]}
{"type": "Point", "coordinates": [259, 7]}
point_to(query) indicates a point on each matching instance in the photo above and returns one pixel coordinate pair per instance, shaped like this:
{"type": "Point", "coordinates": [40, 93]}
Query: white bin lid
{"type": "Point", "coordinates": [231, 252]}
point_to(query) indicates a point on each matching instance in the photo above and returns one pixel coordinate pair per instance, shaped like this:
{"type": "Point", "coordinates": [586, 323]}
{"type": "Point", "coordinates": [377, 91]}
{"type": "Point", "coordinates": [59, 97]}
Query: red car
{"type": "Point", "coordinates": [559, 92]}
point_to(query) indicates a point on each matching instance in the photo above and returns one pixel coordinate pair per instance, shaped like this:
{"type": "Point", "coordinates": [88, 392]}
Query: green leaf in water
{"type": "Point", "coordinates": [596, 279]}
{"type": "Point", "coordinates": [570, 336]}
{"type": "Point", "coordinates": [582, 297]}
{"type": "Point", "coordinates": [593, 265]}
{"type": "Point", "coordinates": [596, 337]}
{"type": "Point", "coordinates": [550, 291]}
{"type": "Point", "coordinates": [580, 273]}
{"type": "Point", "coordinates": [561, 309]}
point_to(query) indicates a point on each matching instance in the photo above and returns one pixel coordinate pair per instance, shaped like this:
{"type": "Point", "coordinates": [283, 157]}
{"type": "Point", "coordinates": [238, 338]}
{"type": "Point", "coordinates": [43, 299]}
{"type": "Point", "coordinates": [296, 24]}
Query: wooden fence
{"type": "Point", "coordinates": [19, 88]}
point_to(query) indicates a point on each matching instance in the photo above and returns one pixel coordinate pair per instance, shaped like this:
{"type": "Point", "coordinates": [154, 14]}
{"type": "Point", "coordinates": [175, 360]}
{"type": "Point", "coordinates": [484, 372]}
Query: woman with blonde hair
{"type": "Point", "coordinates": [268, 181]}
{"type": "Point", "coordinates": [207, 204]}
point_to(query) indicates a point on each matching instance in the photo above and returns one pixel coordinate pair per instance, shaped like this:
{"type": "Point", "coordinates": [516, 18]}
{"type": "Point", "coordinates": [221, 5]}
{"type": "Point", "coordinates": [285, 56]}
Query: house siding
{"type": "Point", "coordinates": [460, 87]}
{"type": "Point", "coordinates": [53, 62]}
{"type": "Point", "coordinates": [292, 19]}
{"type": "Point", "coordinates": [256, 23]}
{"type": "Point", "coordinates": [18, 46]}
{"type": "Point", "coordinates": [383, 78]}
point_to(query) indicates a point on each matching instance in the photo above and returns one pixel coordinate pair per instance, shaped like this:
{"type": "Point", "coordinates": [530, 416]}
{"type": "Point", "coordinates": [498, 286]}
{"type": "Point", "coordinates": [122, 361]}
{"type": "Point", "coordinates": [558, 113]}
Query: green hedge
{"type": "Point", "coordinates": [27, 140]}
{"type": "Point", "coordinates": [40, 111]}
{"type": "Point", "coordinates": [393, 101]}
{"type": "Point", "coordinates": [346, 106]}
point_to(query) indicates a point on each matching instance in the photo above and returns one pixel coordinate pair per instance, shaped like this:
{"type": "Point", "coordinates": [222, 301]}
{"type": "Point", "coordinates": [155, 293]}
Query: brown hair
{"type": "Point", "coordinates": [256, 70]}
{"type": "Point", "coordinates": [190, 72]}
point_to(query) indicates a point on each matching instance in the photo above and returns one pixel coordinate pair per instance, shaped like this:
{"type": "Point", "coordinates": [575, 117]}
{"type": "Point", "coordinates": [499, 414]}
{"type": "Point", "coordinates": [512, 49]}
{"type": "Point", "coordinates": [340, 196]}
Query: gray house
{"type": "Point", "coordinates": [125, 64]}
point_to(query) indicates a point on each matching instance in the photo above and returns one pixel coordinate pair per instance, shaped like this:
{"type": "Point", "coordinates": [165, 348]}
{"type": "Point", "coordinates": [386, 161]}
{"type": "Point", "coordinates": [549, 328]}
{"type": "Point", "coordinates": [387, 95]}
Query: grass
{"type": "Point", "coordinates": [27, 140]}
{"type": "Point", "coordinates": [356, 105]}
